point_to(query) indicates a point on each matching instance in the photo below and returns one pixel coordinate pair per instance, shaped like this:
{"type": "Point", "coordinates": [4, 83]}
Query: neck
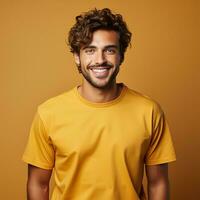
{"type": "Point", "coordinates": [99, 95]}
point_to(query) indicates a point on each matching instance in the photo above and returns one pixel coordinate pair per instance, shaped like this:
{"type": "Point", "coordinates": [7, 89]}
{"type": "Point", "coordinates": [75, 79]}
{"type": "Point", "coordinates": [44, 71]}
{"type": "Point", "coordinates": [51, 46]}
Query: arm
{"type": "Point", "coordinates": [38, 183]}
{"type": "Point", "coordinates": [158, 183]}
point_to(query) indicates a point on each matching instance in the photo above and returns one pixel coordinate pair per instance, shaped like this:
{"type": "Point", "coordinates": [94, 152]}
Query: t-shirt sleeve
{"type": "Point", "coordinates": [161, 149]}
{"type": "Point", "coordinates": [39, 150]}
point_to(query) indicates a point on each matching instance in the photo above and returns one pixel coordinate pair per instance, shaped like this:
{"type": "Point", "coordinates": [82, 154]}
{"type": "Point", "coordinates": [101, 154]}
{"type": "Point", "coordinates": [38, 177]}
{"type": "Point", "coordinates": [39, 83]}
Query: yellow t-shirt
{"type": "Point", "coordinates": [98, 150]}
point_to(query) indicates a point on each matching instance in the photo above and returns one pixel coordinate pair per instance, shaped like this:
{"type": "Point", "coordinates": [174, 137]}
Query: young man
{"type": "Point", "coordinates": [98, 136]}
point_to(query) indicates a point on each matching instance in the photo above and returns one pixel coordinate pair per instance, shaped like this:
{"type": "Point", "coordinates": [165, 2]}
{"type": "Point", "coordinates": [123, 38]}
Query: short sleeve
{"type": "Point", "coordinates": [161, 149]}
{"type": "Point", "coordinates": [39, 150]}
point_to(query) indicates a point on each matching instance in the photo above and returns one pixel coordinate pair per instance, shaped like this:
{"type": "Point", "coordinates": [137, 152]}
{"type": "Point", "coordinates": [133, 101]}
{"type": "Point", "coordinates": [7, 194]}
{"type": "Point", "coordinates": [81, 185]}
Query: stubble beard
{"type": "Point", "coordinates": [108, 84]}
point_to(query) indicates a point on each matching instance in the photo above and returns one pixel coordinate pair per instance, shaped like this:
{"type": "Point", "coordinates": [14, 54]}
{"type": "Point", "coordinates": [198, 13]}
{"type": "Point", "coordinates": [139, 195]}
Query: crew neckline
{"type": "Point", "coordinates": [103, 104]}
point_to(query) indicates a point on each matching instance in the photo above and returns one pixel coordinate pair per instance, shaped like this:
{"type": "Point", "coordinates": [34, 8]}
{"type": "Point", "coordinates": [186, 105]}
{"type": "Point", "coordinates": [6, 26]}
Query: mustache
{"type": "Point", "coordinates": [104, 64]}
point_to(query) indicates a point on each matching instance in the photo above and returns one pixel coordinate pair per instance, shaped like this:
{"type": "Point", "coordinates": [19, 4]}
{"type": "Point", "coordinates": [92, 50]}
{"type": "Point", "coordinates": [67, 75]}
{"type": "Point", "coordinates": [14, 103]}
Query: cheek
{"type": "Point", "coordinates": [115, 60]}
{"type": "Point", "coordinates": [85, 60]}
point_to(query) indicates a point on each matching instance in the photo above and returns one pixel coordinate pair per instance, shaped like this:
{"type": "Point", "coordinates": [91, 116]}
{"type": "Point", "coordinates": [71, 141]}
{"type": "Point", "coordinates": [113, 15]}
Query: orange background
{"type": "Point", "coordinates": [162, 63]}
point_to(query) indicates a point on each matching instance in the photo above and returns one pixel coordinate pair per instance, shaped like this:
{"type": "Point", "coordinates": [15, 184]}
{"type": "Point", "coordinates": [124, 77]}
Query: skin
{"type": "Point", "coordinates": [99, 86]}
{"type": "Point", "coordinates": [38, 183]}
{"type": "Point", "coordinates": [158, 182]}
{"type": "Point", "coordinates": [103, 51]}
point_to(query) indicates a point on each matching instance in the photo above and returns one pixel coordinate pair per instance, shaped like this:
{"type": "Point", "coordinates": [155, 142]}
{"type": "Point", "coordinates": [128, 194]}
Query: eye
{"type": "Point", "coordinates": [89, 50]}
{"type": "Point", "coordinates": [110, 51]}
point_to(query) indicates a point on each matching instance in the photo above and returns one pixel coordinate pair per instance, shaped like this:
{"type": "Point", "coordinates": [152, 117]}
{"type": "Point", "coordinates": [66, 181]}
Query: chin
{"type": "Point", "coordinates": [105, 85]}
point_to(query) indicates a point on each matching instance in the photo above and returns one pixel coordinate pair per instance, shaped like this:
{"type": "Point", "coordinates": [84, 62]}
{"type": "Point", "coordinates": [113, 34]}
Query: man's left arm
{"type": "Point", "coordinates": [158, 182]}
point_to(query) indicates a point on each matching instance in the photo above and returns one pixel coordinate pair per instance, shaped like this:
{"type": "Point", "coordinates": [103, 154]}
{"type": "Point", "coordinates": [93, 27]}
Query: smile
{"type": "Point", "coordinates": [100, 72]}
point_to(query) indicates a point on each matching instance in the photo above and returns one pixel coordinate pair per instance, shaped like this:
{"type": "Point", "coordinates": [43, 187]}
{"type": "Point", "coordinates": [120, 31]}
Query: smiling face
{"type": "Point", "coordinates": [100, 60]}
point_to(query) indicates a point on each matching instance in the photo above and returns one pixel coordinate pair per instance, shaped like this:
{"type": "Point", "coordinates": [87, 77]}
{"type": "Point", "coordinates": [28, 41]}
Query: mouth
{"type": "Point", "coordinates": [100, 72]}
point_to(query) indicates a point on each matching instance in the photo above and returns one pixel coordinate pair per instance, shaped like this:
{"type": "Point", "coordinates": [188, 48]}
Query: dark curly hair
{"type": "Point", "coordinates": [82, 31]}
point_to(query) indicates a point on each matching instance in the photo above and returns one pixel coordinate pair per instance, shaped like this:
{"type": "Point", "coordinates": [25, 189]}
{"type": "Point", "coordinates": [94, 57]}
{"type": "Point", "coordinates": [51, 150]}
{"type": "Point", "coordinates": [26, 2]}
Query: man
{"type": "Point", "coordinates": [98, 136]}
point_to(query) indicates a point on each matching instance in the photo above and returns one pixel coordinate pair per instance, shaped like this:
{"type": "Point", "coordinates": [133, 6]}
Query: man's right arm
{"type": "Point", "coordinates": [38, 183]}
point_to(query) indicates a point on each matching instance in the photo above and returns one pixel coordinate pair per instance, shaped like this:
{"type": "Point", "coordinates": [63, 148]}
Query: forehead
{"type": "Point", "coordinates": [104, 38]}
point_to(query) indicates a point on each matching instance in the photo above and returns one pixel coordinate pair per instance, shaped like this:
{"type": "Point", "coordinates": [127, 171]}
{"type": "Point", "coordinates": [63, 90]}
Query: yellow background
{"type": "Point", "coordinates": [162, 63]}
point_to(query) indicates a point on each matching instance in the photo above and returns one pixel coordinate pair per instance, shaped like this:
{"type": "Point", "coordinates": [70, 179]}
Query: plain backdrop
{"type": "Point", "coordinates": [163, 63]}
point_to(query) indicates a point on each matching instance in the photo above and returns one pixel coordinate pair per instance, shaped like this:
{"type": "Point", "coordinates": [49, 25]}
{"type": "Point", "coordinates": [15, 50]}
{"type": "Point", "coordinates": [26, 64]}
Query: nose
{"type": "Point", "coordinates": [100, 57]}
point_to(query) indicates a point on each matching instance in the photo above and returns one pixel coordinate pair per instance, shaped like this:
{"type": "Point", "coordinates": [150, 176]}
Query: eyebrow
{"type": "Point", "coordinates": [108, 46]}
{"type": "Point", "coordinates": [112, 46]}
{"type": "Point", "coordinates": [89, 46]}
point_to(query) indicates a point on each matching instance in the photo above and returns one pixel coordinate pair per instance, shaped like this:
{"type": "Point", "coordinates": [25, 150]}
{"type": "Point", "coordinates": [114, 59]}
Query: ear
{"type": "Point", "coordinates": [77, 59]}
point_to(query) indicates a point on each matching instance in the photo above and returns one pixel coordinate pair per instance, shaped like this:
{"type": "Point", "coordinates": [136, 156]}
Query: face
{"type": "Point", "coordinates": [100, 60]}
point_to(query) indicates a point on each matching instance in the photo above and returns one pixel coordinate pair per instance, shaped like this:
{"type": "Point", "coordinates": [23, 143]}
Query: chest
{"type": "Point", "coordinates": [93, 131]}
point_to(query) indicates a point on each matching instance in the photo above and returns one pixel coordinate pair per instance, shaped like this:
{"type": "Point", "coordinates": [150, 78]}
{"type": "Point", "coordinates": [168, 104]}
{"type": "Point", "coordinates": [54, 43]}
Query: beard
{"type": "Point", "coordinates": [107, 84]}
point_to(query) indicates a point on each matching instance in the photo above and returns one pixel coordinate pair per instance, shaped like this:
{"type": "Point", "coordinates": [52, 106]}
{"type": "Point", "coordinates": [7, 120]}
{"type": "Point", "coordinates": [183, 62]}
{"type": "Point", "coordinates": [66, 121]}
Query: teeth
{"type": "Point", "coordinates": [99, 70]}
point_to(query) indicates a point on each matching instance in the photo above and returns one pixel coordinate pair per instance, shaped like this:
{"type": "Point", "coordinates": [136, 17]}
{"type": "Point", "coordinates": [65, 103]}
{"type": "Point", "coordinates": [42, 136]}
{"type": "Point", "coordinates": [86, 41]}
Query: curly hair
{"type": "Point", "coordinates": [82, 31]}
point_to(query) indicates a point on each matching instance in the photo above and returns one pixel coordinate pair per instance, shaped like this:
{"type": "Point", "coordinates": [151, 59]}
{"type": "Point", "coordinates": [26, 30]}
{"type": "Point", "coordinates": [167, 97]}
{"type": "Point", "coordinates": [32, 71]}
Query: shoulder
{"type": "Point", "coordinates": [142, 98]}
{"type": "Point", "coordinates": [143, 103]}
{"type": "Point", "coordinates": [56, 103]}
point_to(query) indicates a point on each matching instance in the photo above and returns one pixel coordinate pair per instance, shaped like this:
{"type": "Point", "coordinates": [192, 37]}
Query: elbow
{"type": "Point", "coordinates": [36, 184]}
{"type": "Point", "coordinates": [158, 189]}
{"type": "Point", "coordinates": [158, 181]}
{"type": "Point", "coordinates": [37, 189]}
